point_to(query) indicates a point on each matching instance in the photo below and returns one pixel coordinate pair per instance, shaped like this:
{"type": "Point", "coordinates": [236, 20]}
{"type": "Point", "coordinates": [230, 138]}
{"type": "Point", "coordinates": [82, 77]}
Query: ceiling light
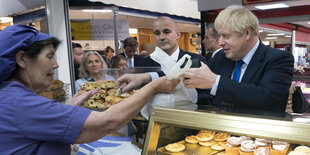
{"type": "Point", "coordinates": [271, 38]}
{"type": "Point", "coordinates": [271, 6]}
{"type": "Point", "coordinates": [288, 36]}
{"type": "Point", "coordinates": [275, 34]}
{"type": "Point", "coordinates": [96, 10]}
{"type": "Point", "coordinates": [133, 31]}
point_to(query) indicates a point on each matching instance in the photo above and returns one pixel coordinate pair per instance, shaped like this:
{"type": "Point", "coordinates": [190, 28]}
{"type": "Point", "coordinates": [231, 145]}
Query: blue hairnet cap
{"type": "Point", "coordinates": [13, 39]}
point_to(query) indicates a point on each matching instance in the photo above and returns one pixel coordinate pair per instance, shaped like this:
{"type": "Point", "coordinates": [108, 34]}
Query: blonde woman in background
{"type": "Point", "coordinates": [90, 68]}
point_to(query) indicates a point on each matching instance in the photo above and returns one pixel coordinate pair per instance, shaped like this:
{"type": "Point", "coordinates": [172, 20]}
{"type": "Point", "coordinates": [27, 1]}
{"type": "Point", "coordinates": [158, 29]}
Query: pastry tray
{"type": "Point", "coordinates": [191, 149]}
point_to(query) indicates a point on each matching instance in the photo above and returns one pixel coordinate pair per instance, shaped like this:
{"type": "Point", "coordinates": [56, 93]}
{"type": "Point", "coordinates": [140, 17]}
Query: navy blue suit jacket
{"type": "Point", "coordinates": [136, 58]}
{"type": "Point", "coordinates": [196, 59]}
{"type": "Point", "coordinates": [264, 85]}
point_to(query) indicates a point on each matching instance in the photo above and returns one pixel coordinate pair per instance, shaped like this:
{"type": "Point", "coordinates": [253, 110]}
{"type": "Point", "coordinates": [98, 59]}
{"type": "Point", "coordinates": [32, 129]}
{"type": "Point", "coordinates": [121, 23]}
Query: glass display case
{"type": "Point", "coordinates": [173, 125]}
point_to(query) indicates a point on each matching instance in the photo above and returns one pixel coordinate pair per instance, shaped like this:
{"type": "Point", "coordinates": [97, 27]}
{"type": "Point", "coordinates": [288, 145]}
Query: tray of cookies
{"type": "Point", "coordinates": [106, 96]}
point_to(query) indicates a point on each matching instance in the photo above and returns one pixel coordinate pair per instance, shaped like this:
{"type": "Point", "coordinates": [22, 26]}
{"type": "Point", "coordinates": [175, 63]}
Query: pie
{"type": "Point", "coordinates": [175, 147]}
{"type": "Point", "coordinates": [220, 137]}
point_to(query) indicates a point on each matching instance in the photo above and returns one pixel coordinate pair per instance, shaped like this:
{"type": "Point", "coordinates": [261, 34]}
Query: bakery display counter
{"type": "Point", "coordinates": [168, 126]}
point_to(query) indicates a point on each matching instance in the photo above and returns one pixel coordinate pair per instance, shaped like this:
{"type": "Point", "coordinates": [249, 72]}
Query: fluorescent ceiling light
{"type": "Point", "coordinates": [275, 34]}
{"type": "Point", "coordinates": [288, 36]}
{"type": "Point", "coordinates": [96, 10]}
{"type": "Point", "coordinates": [271, 6]}
{"type": "Point", "coordinates": [6, 19]}
{"type": "Point", "coordinates": [271, 38]}
{"type": "Point", "coordinates": [133, 31]}
{"type": "Point", "coordinates": [266, 42]}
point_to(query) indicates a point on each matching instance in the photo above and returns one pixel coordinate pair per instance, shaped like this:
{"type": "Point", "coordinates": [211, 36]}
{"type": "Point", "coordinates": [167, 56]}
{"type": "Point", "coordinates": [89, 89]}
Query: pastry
{"type": "Point", "coordinates": [56, 84]}
{"type": "Point", "coordinates": [297, 153]}
{"type": "Point", "coordinates": [247, 147]}
{"type": "Point", "coordinates": [191, 139]}
{"type": "Point", "coordinates": [233, 145]}
{"type": "Point", "coordinates": [262, 151]}
{"type": "Point", "coordinates": [219, 146]}
{"type": "Point", "coordinates": [207, 143]}
{"type": "Point", "coordinates": [205, 135]}
{"type": "Point", "coordinates": [175, 147]}
{"type": "Point", "coordinates": [305, 149]}
{"type": "Point", "coordinates": [243, 138]}
{"type": "Point", "coordinates": [220, 137]}
{"type": "Point", "coordinates": [262, 142]}
{"type": "Point", "coordinates": [113, 99]}
{"type": "Point", "coordinates": [106, 84]}
{"type": "Point", "coordinates": [279, 148]}
{"type": "Point", "coordinates": [111, 92]}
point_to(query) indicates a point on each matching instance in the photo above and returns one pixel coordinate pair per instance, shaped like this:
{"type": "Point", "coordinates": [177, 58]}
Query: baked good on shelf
{"type": "Point", "coordinates": [304, 149]}
{"type": "Point", "coordinates": [262, 142]}
{"type": "Point", "coordinates": [243, 138]}
{"type": "Point", "coordinates": [247, 147]}
{"type": "Point", "coordinates": [297, 153]}
{"type": "Point", "coordinates": [55, 91]}
{"type": "Point", "coordinates": [191, 139]}
{"type": "Point", "coordinates": [233, 145]}
{"type": "Point", "coordinates": [206, 143]}
{"type": "Point", "coordinates": [219, 146]}
{"type": "Point", "coordinates": [220, 137]}
{"type": "Point", "coordinates": [262, 151]}
{"type": "Point", "coordinates": [279, 148]}
{"type": "Point", "coordinates": [204, 135]}
{"type": "Point", "coordinates": [175, 147]}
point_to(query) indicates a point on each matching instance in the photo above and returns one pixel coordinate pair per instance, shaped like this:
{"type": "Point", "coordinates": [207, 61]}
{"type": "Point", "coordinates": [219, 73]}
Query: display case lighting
{"type": "Point", "coordinates": [271, 6]}
{"type": "Point", "coordinates": [271, 38]}
{"type": "Point", "coordinates": [96, 10]}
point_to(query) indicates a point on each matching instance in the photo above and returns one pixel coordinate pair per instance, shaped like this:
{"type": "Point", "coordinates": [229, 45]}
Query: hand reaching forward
{"type": "Point", "coordinates": [202, 77]}
{"type": "Point", "coordinates": [162, 85]}
{"type": "Point", "coordinates": [78, 99]}
{"type": "Point", "coordinates": [133, 81]}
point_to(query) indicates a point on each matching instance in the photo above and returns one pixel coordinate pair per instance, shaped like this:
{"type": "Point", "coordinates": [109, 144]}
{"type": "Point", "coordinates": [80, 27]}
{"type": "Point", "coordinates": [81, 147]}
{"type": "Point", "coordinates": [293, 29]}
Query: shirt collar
{"type": "Point", "coordinates": [213, 54]}
{"type": "Point", "coordinates": [247, 58]}
{"type": "Point", "coordinates": [175, 54]}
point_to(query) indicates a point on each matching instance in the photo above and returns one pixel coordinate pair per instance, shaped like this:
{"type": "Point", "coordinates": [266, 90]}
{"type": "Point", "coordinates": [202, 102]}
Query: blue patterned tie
{"type": "Point", "coordinates": [129, 62]}
{"type": "Point", "coordinates": [237, 73]}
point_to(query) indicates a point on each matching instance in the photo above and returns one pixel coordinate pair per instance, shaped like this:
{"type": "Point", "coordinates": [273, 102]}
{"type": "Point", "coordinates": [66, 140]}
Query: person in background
{"type": "Point", "coordinates": [119, 61]}
{"type": "Point", "coordinates": [144, 54]}
{"type": "Point", "coordinates": [211, 41]}
{"type": "Point", "coordinates": [245, 74]}
{"type": "Point", "coordinates": [32, 124]}
{"type": "Point", "coordinates": [109, 52]}
{"type": "Point", "coordinates": [78, 54]}
{"type": "Point", "coordinates": [130, 46]}
{"type": "Point", "coordinates": [90, 68]}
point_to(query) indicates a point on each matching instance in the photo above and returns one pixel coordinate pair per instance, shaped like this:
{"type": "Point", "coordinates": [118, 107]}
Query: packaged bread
{"type": "Point", "coordinates": [279, 148]}
{"type": "Point", "coordinates": [232, 146]}
{"type": "Point", "coordinates": [247, 147]}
